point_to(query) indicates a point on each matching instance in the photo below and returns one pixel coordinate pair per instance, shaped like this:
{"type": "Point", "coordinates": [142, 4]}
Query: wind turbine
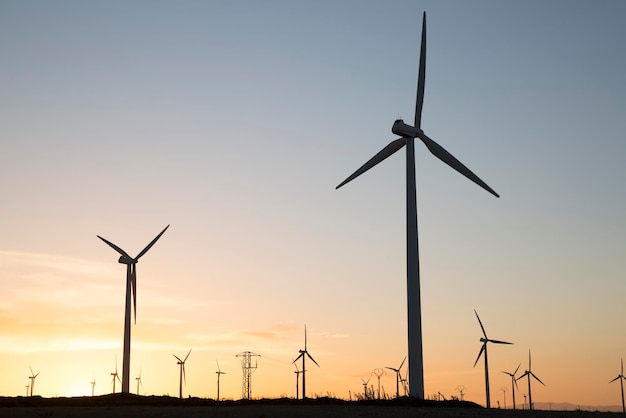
{"type": "Point", "coordinates": [32, 378]}
{"type": "Point", "coordinates": [408, 134]}
{"type": "Point", "coordinates": [483, 349]}
{"type": "Point", "coordinates": [27, 386]}
{"type": "Point", "coordinates": [621, 383]}
{"type": "Point", "coordinates": [181, 363]}
{"type": "Point", "coordinates": [303, 354]}
{"type": "Point", "coordinates": [93, 385]}
{"type": "Point", "coordinates": [513, 382]}
{"type": "Point", "coordinates": [398, 377]}
{"type": "Point", "coordinates": [219, 372]}
{"type": "Point", "coordinates": [138, 379]}
{"type": "Point", "coordinates": [115, 375]}
{"type": "Point", "coordinates": [529, 373]}
{"type": "Point", "coordinates": [131, 288]}
{"type": "Point", "coordinates": [365, 386]}
{"type": "Point", "coordinates": [297, 372]}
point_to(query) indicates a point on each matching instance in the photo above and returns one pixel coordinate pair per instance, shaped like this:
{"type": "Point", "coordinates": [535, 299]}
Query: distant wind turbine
{"type": "Point", "coordinates": [138, 379]}
{"type": "Point", "coordinates": [32, 378]}
{"type": "Point", "coordinates": [131, 288]}
{"type": "Point", "coordinates": [297, 372]}
{"type": "Point", "coordinates": [529, 373]}
{"type": "Point", "coordinates": [621, 378]}
{"type": "Point", "coordinates": [483, 349]}
{"type": "Point", "coordinates": [304, 354]}
{"type": "Point", "coordinates": [27, 386]}
{"type": "Point", "coordinates": [93, 385]}
{"type": "Point", "coordinates": [115, 375]}
{"type": "Point", "coordinates": [219, 372]}
{"type": "Point", "coordinates": [408, 134]}
{"type": "Point", "coordinates": [513, 382]}
{"type": "Point", "coordinates": [398, 377]}
{"type": "Point", "coordinates": [365, 382]}
{"type": "Point", "coordinates": [181, 363]}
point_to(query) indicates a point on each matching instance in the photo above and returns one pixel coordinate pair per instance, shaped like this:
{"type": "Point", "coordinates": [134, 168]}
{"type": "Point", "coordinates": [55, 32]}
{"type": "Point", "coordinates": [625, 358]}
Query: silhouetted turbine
{"type": "Point", "coordinates": [181, 363]}
{"type": "Point", "coordinates": [398, 377]}
{"type": "Point", "coordinates": [529, 373]}
{"type": "Point", "coordinates": [408, 134]}
{"type": "Point", "coordinates": [219, 372]}
{"type": "Point", "coordinates": [32, 378]}
{"type": "Point", "coordinates": [621, 383]}
{"type": "Point", "coordinates": [303, 354]}
{"type": "Point", "coordinates": [483, 349]}
{"type": "Point", "coordinates": [131, 288]}
{"type": "Point", "coordinates": [513, 382]}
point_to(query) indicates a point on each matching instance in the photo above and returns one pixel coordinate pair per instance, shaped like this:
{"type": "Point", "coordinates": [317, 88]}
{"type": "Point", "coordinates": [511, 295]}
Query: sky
{"type": "Point", "coordinates": [233, 121]}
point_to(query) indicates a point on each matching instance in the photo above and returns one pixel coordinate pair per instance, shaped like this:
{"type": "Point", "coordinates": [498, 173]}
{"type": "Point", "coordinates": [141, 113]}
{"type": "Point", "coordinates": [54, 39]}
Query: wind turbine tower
{"type": "Point", "coordinates": [138, 379]}
{"type": "Point", "coordinates": [248, 368]}
{"type": "Point", "coordinates": [131, 289]}
{"type": "Point", "coordinates": [621, 383]}
{"type": "Point", "coordinates": [483, 350]}
{"type": "Point", "coordinates": [219, 372]}
{"type": "Point", "coordinates": [93, 385]}
{"type": "Point", "coordinates": [408, 135]}
{"type": "Point", "coordinates": [297, 372]}
{"type": "Point", "coordinates": [181, 363]}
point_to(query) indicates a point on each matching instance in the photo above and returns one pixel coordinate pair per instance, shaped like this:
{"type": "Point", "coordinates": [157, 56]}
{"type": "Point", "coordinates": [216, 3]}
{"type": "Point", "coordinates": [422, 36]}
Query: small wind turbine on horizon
{"type": "Point", "coordinates": [181, 363]}
{"type": "Point", "coordinates": [32, 378]}
{"type": "Point", "coordinates": [529, 373]}
{"type": "Point", "coordinates": [27, 386]}
{"type": "Point", "coordinates": [398, 377]}
{"type": "Point", "coordinates": [408, 134]}
{"type": "Point", "coordinates": [115, 375]}
{"type": "Point", "coordinates": [138, 379]}
{"type": "Point", "coordinates": [483, 349]}
{"type": "Point", "coordinates": [303, 354]}
{"type": "Point", "coordinates": [297, 372]}
{"type": "Point", "coordinates": [365, 386]}
{"type": "Point", "coordinates": [131, 289]}
{"type": "Point", "coordinates": [219, 372]}
{"type": "Point", "coordinates": [93, 385]}
{"type": "Point", "coordinates": [513, 382]}
{"type": "Point", "coordinates": [621, 383]}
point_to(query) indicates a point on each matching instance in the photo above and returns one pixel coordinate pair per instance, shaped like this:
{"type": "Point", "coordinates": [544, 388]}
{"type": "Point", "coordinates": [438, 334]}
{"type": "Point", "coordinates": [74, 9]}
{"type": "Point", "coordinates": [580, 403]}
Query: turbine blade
{"type": "Point", "coordinates": [304, 337]}
{"type": "Point", "coordinates": [618, 377]}
{"type": "Point", "coordinates": [298, 358]}
{"type": "Point", "coordinates": [481, 324]}
{"type": "Point", "coordinates": [480, 353]}
{"type": "Point", "coordinates": [439, 152]}
{"type": "Point", "coordinates": [184, 376]}
{"type": "Point", "coordinates": [515, 372]}
{"type": "Point", "coordinates": [538, 380]}
{"type": "Point", "coordinates": [391, 368]}
{"type": "Point", "coordinates": [622, 366]}
{"type": "Point", "coordinates": [515, 380]}
{"type": "Point", "coordinates": [401, 364]}
{"type": "Point", "coordinates": [523, 375]}
{"type": "Point", "coordinates": [115, 247]}
{"type": "Point", "coordinates": [499, 342]}
{"type": "Point", "coordinates": [529, 368]}
{"type": "Point", "coordinates": [187, 355]}
{"type": "Point", "coordinates": [145, 250]}
{"type": "Point", "coordinates": [421, 77]}
{"type": "Point", "coordinates": [177, 358]}
{"type": "Point", "coordinates": [382, 155]}
{"type": "Point", "coordinates": [312, 359]}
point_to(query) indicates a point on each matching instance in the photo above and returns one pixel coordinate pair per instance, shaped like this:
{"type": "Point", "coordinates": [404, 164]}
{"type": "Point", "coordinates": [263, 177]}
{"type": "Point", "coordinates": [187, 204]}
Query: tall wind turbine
{"type": "Point", "coordinates": [398, 377]}
{"type": "Point", "coordinates": [483, 349]}
{"type": "Point", "coordinates": [32, 378]}
{"type": "Point", "coordinates": [219, 372]}
{"type": "Point", "coordinates": [621, 383]}
{"type": "Point", "coordinates": [529, 373]}
{"type": "Point", "coordinates": [408, 134]}
{"type": "Point", "coordinates": [303, 354]}
{"type": "Point", "coordinates": [513, 382]}
{"type": "Point", "coordinates": [181, 363]}
{"type": "Point", "coordinates": [131, 288]}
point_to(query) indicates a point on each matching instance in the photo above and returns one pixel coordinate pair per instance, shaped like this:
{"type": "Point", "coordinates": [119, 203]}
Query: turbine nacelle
{"type": "Point", "coordinates": [404, 130]}
{"type": "Point", "coordinates": [126, 260]}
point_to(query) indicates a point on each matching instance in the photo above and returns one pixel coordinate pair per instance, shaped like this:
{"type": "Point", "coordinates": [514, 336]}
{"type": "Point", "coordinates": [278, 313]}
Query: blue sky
{"type": "Point", "coordinates": [234, 121]}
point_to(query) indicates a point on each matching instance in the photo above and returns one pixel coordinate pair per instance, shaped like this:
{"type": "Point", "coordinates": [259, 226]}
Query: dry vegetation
{"type": "Point", "coordinates": [133, 406]}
